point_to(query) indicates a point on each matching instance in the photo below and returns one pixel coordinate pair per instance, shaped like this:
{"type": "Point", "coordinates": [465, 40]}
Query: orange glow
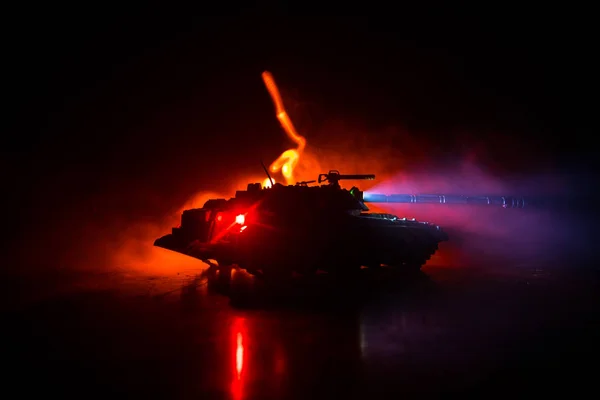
{"type": "Point", "coordinates": [344, 144]}
{"type": "Point", "coordinates": [240, 219]}
{"type": "Point", "coordinates": [219, 218]}
{"type": "Point", "coordinates": [287, 161]}
{"type": "Point", "coordinates": [267, 183]}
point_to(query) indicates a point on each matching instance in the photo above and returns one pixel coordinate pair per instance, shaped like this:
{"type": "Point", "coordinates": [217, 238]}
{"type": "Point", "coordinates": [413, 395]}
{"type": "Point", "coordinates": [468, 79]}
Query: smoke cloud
{"type": "Point", "coordinates": [478, 234]}
{"type": "Point", "coordinates": [115, 239]}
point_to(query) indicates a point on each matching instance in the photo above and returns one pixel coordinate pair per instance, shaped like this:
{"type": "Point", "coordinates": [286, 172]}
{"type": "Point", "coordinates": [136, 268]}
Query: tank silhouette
{"type": "Point", "coordinates": [280, 230]}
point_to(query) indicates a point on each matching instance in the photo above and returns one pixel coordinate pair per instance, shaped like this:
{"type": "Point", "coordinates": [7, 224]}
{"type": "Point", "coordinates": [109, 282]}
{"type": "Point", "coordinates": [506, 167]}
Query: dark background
{"type": "Point", "coordinates": [115, 116]}
{"type": "Point", "coordinates": [123, 111]}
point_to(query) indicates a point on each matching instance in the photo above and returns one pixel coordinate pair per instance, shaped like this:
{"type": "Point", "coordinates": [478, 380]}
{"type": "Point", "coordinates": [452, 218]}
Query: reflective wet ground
{"type": "Point", "coordinates": [493, 331]}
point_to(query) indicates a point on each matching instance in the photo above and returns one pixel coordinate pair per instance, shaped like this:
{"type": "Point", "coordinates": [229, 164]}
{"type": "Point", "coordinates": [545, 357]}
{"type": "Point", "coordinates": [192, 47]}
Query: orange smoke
{"type": "Point", "coordinates": [287, 161]}
{"type": "Point", "coordinates": [345, 144]}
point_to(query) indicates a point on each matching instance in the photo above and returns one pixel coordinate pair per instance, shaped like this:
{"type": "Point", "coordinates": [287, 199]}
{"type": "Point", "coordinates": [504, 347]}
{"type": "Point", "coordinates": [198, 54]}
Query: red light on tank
{"type": "Point", "coordinates": [240, 219]}
{"type": "Point", "coordinates": [219, 218]}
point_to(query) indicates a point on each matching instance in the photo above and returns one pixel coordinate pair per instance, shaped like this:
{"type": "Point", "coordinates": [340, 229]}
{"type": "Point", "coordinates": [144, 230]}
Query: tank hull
{"type": "Point", "coordinates": [340, 246]}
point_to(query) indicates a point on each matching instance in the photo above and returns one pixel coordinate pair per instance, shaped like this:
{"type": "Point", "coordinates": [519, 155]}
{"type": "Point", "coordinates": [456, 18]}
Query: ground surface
{"type": "Point", "coordinates": [497, 331]}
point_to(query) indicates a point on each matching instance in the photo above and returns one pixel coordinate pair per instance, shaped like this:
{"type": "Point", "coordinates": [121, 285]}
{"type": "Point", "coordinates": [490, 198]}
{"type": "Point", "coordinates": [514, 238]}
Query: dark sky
{"type": "Point", "coordinates": [112, 101]}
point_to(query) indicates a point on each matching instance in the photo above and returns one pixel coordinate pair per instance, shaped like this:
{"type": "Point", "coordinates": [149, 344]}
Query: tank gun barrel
{"type": "Point", "coordinates": [368, 177]}
{"type": "Point", "coordinates": [501, 201]}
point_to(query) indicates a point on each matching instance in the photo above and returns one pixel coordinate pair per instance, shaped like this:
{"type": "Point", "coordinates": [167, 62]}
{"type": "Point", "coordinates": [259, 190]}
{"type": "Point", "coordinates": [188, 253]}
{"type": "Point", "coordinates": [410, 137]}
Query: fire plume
{"type": "Point", "coordinates": [288, 160]}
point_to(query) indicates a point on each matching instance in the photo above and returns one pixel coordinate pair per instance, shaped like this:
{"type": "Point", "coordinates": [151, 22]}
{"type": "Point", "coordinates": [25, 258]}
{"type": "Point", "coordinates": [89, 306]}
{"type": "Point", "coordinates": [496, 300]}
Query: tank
{"type": "Point", "coordinates": [302, 229]}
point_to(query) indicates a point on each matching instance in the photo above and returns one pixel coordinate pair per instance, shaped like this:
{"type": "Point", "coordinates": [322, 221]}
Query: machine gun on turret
{"type": "Point", "coordinates": [334, 177]}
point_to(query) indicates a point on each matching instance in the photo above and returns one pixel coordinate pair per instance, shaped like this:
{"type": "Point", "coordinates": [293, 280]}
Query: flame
{"type": "Point", "coordinates": [288, 160]}
{"type": "Point", "coordinates": [267, 183]}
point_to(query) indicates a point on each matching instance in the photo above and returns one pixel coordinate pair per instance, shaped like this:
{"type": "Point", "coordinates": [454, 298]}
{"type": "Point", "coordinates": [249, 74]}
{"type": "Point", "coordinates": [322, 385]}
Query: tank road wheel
{"type": "Point", "coordinates": [308, 269]}
{"type": "Point", "coordinates": [414, 262]}
{"type": "Point", "coordinates": [224, 274]}
{"type": "Point", "coordinates": [276, 266]}
{"type": "Point", "coordinates": [267, 268]}
{"type": "Point", "coordinates": [276, 273]}
{"type": "Point", "coordinates": [409, 263]}
{"type": "Point", "coordinates": [342, 268]}
{"type": "Point", "coordinates": [254, 272]}
{"type": "Point", "coordinates": [414, 265]}
{"type": "Point", "coordinates": [250, 268]}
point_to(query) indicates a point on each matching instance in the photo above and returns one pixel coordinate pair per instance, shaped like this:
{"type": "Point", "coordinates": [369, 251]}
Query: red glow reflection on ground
{"type": "Point", "coordinates": [239, 336]}
{"type": "Point", "coordinates": [239, 355]}
{"type": "Point", "coordinates": [279, 361]}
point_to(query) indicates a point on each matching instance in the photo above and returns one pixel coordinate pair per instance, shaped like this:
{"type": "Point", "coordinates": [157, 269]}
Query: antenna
{"type": "Point", "coordinates": [267, 172]}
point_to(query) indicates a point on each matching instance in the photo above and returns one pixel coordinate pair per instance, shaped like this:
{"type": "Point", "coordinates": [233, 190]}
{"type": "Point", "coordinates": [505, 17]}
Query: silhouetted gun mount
{"type": "Point", "coordinates": [334, 177]}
